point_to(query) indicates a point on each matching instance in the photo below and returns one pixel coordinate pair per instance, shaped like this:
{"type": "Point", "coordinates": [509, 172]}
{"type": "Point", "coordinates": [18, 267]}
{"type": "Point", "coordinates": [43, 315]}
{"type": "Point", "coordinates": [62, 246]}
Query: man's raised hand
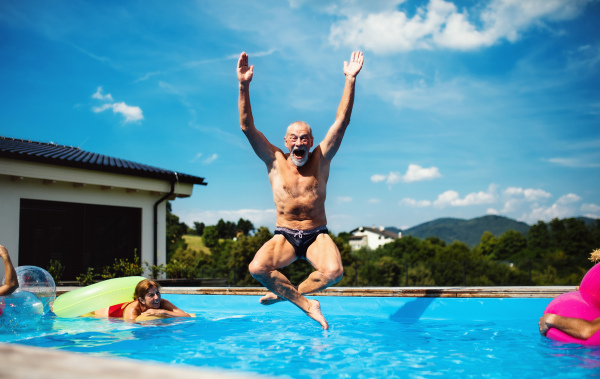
{"type": "Point", "coordinates": [353, 68]}
{"type": "Point", "coordinates": [244, 72]}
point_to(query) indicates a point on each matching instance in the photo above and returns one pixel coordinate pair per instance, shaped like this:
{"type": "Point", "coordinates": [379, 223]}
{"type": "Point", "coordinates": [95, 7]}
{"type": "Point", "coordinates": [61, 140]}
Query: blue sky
{"type": "Point", "coordinates": [463, 108]}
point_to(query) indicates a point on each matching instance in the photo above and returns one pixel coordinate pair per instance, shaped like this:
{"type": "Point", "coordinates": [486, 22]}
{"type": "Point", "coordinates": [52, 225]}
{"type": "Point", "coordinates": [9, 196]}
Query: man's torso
{"type": "Point", "coordinates": [299, 192]}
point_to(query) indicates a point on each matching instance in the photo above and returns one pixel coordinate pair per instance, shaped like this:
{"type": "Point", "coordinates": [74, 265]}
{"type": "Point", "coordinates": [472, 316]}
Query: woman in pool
{"type": "Point", "coordinates": [147, 303]}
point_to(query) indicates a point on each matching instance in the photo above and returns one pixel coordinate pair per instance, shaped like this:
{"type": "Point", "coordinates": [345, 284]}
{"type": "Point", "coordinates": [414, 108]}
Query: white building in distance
{"type": "Point", "coordinates": [371, 238]}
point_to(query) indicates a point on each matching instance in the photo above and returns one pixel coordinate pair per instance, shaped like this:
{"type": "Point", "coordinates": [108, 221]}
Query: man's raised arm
{"type": "Point", "coordinates": [333, 139]}
{"type": "Point", "coordinates": [259, 142]}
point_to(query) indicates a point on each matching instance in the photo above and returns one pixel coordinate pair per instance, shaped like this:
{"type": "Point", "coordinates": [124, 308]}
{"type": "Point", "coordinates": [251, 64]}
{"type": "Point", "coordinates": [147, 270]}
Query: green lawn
{"type": "Point", "coordinates": [196, 243]}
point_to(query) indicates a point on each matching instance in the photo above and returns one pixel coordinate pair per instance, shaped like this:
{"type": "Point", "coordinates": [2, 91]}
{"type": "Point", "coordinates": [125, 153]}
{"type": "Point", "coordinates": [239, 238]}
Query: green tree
{"type": "Point", "coordinates": [579, 242]}
{"type": "Point", "coordinates": [245, 226]}
{"type": "Point", "coordinates": [199, 228]}
{"type": "Point", "coordinates": [538, 238]}
{"type": "Point", "coordinates": [226, 229]}
{"type": "Point", "coordinates": [210, 236]}
{"type": "Point", "coordinates": [488, 244]}
{"type": "Point", "coordinates": [175, 232]}
{"type": "Point", "coordinates": [509, 244]}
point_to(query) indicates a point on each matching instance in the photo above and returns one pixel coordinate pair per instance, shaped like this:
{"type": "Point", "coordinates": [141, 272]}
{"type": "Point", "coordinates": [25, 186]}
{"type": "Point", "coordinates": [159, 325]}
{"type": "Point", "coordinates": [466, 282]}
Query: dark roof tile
{"type": "Point", "coordinates": [68, 156]}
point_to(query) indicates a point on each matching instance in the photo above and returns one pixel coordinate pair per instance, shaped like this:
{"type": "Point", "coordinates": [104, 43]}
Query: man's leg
{"type": "Point", "coordinates": [274, 254]}
{"type": "Point", "coordinates": [325, 257]}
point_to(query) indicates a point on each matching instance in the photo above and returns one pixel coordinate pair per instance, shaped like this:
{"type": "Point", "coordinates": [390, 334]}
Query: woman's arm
{"type": "Point", "coordinates": [167, 309]}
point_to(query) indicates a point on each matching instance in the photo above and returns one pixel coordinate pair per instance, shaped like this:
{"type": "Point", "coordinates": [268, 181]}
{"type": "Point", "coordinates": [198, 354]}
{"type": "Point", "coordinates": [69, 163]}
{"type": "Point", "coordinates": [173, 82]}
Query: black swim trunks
{"type": "Point", "coordinates": [301, 239]}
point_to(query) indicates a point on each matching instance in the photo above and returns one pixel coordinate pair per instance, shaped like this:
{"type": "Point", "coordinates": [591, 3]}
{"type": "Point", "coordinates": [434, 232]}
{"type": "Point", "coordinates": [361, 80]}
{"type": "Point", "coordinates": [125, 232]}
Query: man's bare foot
{"type": "Point", "coordinates": [314, 312]}
{"type": "Point", "coordinates": [270, 298]}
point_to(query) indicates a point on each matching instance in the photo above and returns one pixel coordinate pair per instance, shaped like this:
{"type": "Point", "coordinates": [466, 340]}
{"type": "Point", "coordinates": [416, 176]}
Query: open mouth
{"type": "Point", "coordinates": [299, 153]}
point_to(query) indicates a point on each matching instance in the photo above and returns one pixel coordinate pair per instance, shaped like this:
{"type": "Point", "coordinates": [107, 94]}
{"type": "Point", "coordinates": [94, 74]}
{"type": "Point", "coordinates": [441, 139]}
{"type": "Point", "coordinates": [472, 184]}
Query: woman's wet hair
{"type": "Point", "coordinates": [143, 287]}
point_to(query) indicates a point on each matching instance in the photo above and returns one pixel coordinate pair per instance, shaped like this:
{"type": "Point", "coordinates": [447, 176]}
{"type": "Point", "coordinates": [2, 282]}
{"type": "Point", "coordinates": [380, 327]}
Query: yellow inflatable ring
{"type": "Point", "coordinates": [96, 296]}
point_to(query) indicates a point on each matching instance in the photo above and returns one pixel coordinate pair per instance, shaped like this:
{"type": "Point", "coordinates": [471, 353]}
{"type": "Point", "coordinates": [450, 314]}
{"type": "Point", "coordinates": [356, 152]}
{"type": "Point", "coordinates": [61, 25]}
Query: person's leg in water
{"type": "Point", "coordinates": [273, 255]}
{"type": "Point", "coordinates": [325, 257]}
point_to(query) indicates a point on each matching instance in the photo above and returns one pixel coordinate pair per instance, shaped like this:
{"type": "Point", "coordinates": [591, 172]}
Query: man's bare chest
{"type": "Point", "coordinates": [298, 186]}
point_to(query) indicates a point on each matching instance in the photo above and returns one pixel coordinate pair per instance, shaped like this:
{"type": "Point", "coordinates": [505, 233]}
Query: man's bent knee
{"type": "Point", "coordinates": [333, 275]}
{"type": "Point", "coordinates": [257, 270]}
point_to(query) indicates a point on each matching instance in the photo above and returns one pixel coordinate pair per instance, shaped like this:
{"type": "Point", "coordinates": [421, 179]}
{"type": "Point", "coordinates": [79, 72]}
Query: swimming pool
{"type": "Point", "coordinates": [368, 338]}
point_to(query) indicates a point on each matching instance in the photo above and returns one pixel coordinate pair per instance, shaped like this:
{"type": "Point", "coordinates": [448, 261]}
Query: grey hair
{"type": "Point", "coordinates": [302, 123]}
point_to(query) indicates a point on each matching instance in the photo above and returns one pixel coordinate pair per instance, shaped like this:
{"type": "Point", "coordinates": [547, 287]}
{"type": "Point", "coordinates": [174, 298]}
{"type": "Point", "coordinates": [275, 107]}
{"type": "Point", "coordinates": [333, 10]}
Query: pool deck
{"type": "Point", "coordinates": [494, 292]}
{"type": "Point", "coordinates": [25, 362]}
{"type": "Point", "coordinates": [30, 362]}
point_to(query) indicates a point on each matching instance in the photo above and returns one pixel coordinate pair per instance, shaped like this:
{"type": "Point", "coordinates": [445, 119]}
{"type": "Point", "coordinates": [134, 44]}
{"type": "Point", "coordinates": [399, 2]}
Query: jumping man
{"type": "Point", "coordinates": [299, 181]}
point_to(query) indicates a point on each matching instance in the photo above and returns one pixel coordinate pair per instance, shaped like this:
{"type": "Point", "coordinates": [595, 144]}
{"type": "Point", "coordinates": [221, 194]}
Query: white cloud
{"type": "Point", "coordinates": [101, 108]}
{"type": "Point", "coordinates": [415, 203]}
{"type": "Point", "coordinates": [98, 95]}
{"type": "Point", "coordinates": [535, 194]}
{"type": "Point", "coordinates": [344, 199]}
{"type": "Point", "coordinates": [211, 159]}
{"type": "Point", "coordinates": [131, 113]}
{"type": "Point", "coordinates": [394, 177]}
{"type": "Point", "coordinates": [584, 161]}
{"type": "Point", "coordinates": [414, 173]}
{"type": "Point", "coordinates": [590, 208]}
{"type": "Point", "coordinates": [378, 178]}
{"type": "Point", "coordinates": [373, 201]}
{"type": "Point", "coordinates": [198, 156]}
{"type": "Point", "coordinates": [492, 211]}
{"type": "Point", "coordinates": [417, 173]}
{"type": "Point", "coordinates": [511, 205]}
{"type": "Point", "coordinates": [568, 199]}
{"type": "Point", "coordinates": [440, 24]}
{"type": "Point", "coordinates": [452, 198]}
{"type": "Point", "coordinates": [528, 194]}
{"type": "Point", "coordinates": [546, 213]}
{"type": "Point", "coordinates": [565, 206]}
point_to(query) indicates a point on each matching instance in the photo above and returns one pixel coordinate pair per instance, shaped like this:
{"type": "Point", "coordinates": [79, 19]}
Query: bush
{"type": "Point", "coordinates": [122, 267]}
{"type": "Point", "coordinates": [56, 269]}
{"type": "Point", "coordinates": [87, 278]}
{"type": "Point", "coordinates": [155, 271]}
{"type": "Point", "coordinates": [181, 270]}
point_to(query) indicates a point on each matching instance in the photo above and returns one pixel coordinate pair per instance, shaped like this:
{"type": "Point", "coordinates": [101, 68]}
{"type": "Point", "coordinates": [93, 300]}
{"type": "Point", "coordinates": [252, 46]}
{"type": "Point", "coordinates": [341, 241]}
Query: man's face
{"type": "Point", "coordinates": [299, 141]}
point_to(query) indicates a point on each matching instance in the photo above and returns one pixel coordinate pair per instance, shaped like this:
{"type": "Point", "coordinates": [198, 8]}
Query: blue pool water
{"type": "Point", "coordinates": [368, 338]}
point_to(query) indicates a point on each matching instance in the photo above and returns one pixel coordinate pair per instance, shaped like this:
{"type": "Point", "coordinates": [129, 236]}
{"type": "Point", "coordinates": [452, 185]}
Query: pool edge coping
{"type": "Point", "coordinates": [459, 292]}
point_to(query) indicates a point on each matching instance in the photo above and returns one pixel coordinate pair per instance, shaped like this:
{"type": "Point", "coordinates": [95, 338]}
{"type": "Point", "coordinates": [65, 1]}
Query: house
{"type": "Point", "coordinates": [371, 238]}
{"type": "Point", "coordinates": [82, 208]}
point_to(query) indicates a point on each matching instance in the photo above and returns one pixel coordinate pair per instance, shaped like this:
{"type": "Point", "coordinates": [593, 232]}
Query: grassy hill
{"type": "Point", "coordinates": [195, 245]}
{"type": "Point", "coordinates": [468, 231]}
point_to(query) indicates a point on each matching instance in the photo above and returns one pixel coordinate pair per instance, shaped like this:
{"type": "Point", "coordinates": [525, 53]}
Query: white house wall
{"type": "Point", "coordinates": [28, 180]}
{"type": "Point", "coordinates": [373, 240]}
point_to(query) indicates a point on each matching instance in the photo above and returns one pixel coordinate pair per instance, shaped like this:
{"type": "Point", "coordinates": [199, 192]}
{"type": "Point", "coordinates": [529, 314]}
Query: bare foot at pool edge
{"type": "Point", "coordinates": [314, 312]}
{"type": "Point", "coordinates": [270, 298]}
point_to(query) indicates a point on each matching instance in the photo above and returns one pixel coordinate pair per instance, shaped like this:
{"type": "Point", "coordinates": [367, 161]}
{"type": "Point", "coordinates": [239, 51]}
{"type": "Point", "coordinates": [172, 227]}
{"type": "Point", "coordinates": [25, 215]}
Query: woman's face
{"type": "Point", "coordinates": [152, 298]}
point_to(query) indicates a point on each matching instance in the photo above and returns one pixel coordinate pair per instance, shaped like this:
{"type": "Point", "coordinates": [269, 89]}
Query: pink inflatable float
{"type": "Point", "coordinates": [584, 304]}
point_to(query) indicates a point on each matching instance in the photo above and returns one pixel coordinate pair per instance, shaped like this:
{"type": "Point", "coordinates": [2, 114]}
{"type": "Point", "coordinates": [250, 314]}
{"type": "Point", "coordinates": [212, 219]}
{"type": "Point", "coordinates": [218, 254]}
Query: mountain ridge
{"type": "Point", "coordinates": [450, 229]}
